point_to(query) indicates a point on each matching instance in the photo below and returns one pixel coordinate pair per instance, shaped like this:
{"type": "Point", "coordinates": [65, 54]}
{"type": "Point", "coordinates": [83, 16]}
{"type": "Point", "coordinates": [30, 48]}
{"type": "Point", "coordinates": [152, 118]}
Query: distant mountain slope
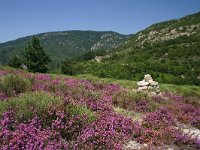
{"type": "Point", "coordinates": [169, 50]}
{"type": "Point", "coordinates": [67, 43]}
{"type": "Point", "coordinates": [168, 30]}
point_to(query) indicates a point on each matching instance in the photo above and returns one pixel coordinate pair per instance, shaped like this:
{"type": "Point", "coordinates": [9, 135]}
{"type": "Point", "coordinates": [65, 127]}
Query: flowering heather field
{"type": "Point", "coordinates": [40, 111]}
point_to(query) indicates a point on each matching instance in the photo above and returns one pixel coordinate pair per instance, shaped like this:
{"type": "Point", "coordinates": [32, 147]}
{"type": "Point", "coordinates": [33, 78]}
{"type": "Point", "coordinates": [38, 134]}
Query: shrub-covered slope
{"type": "Point", "coordinates": [67, 43]}
{"type": "Point", "coordinates": [41, 111]}
{"type": "Point", "coordinates": [169, 51]}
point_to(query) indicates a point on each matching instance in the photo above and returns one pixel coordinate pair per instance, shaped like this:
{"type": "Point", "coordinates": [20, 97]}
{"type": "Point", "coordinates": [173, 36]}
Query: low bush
{"type": "Point", "coordinates": [29, 135]}
{"type": "Point", "coordinates": [15, 84]}
{"type": "Point", "coordinates": [75, 109]}
{"type": "Point", "coordinates": [29, 104]}
{"type": "Point", "coordinates": [109, 131]}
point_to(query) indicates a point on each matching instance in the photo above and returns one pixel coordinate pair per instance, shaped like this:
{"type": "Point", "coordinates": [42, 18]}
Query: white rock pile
{"type": "Point", "coordinates": [148, 85]}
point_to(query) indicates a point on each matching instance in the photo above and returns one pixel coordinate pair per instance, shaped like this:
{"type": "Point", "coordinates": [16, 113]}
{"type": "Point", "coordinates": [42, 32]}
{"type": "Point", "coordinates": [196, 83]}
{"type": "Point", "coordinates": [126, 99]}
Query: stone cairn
{"type": "Point", "coordinates": [148, 85]}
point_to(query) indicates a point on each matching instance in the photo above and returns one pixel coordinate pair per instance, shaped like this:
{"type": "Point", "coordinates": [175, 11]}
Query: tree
{"type": "Point", "coordinates": [68, 66]}
{"type": "Point", "coordinates": [15, 62]}
{"type": "Point", "coordinates": [35, 57]}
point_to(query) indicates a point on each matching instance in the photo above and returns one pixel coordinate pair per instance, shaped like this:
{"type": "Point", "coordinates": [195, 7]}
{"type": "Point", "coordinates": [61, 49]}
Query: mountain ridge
{"type": "Point", "coordinates": [65, 43]}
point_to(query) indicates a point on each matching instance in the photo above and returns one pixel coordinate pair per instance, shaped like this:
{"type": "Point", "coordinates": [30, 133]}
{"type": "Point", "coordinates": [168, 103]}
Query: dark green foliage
{"type": "Point", "coordinates": [68, 66]}
{"type": "Point", "coordinates": [59, 45]}
{"type": "Point", "coordinates": [88, 55]}
{"type": "Point", "coordinates": [103, 70]}
{"type": "Point", "coordinates": [15, 62]}
{"type": "Point", "coordinates": [35, 57]}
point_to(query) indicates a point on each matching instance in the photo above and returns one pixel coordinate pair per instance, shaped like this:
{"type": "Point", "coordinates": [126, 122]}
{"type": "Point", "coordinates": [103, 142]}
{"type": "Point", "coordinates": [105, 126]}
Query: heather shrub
{"type": "Point", "coordinates": [30, 104]}
{"type": "Point", "coordinates": [153, 106]}
{"type": "Point", "coordinates": [189, 114]}
{"type": "Point", "coordinates": [194, 101]}
{"type": "Point", "coordinates": [159, 119]}
{"type": "Point", "coordinates": [3, 72]}
{"type": "Point", "coordinates": [29, 135]}
{"type": "Point", "coordinates": [141, 106]}
{"type": "Point", "coordinates": [123, 100]}
{"type": "Point", "coordinates": [94, 94]}
{"type": "Point", "coordinates": [127, 100]}
{"type": "Point", "coordinates": [109, 131]}
{"type": "Point", "coordinates": [57, 85]}
{"type": "Point", "coordinates": [81, 110]}
{"type": "Point", "coordinates": [81, 115]}
{"type": "Point", "coordinates": [156, 128]}
{"type": "Point", "coordinates": [15, 84]}
{"type": "Point", "coordinates": [69, 126]}
{"type": "Point", "coordinates": [184, 141]}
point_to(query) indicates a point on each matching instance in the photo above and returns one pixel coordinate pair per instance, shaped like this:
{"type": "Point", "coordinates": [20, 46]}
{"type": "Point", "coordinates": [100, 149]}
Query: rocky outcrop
{"type": "Point", "coordinates": [133, 145]}
{"type": "Point", "coordinates": [148, 85]}
{"type": "Point", "coordinates": [167, 33]}
{"type": "Point", "coordinates": [98, 58]}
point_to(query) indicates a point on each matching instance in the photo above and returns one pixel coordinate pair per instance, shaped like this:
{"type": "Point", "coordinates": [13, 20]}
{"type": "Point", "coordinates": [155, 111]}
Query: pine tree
{"type": "Point", "coordinates": [35, 57]}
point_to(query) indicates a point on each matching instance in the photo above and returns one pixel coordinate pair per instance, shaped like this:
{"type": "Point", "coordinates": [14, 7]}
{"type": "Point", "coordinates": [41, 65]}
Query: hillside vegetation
{"type": "Point", "coordinates": [59, 45]}
{"type": "Point", "coordinates": [169, 51]}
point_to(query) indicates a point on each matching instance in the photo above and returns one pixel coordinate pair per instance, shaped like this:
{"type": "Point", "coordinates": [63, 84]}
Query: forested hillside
{"type": "Point", "coordinates": [59, 45]}
{"type": "Point", "coordinates": [170, 51]}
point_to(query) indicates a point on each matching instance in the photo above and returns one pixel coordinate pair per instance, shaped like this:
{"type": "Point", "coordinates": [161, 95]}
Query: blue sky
{"type": "Point", "coordinates": [26, 17]}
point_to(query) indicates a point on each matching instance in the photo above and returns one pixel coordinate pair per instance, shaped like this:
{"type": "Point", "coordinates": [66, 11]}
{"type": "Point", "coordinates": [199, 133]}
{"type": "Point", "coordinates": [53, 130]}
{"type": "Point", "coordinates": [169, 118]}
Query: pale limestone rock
{"type": "Point", "coordinates": [147, 77]}
{"type": "Point", "coordinates": [150, 88]}
{"type": "Point", "coordinates": [142, 83]}
{"type": "Point", "coordinates": [143, 88]}
{"type": "Point", "coordinates": [98, 58]}
{"type": "Point", "coordinates": [132, 145]}
{"type": "Point", "coordinates": [151, 81]}
{"type": "Point", "coordinates": [24, 67]}
{"type": "Point", "coordinates": [154, 83]}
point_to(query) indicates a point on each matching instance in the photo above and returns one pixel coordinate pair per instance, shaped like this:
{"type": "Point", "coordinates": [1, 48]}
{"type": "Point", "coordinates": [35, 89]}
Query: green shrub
{"type": "Point", "coordinates": [29, 104]}
{"type": "Point", "coordinates": [5, 67]}
{"type": "Point", "coordinates": [3, 107]}
{"type": "Point", "coordinates": [68, 66]}
{"type": "Point", "coordinates": [81, 110]}
{"type": "Point", "coordinates": [15, 84]}
{"type": "Point", "coordinates": [15, 61]}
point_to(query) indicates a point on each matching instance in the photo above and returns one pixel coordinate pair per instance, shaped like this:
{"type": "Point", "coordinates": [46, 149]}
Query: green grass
{"type": "Point", "coordinates": [4, 67]}
{"type": "Point", "coordinates": [29, 103]}
{"type": "Point", "coordinates": [185, 90]}
{"type": "Point", "coordinates": [75, 109]}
